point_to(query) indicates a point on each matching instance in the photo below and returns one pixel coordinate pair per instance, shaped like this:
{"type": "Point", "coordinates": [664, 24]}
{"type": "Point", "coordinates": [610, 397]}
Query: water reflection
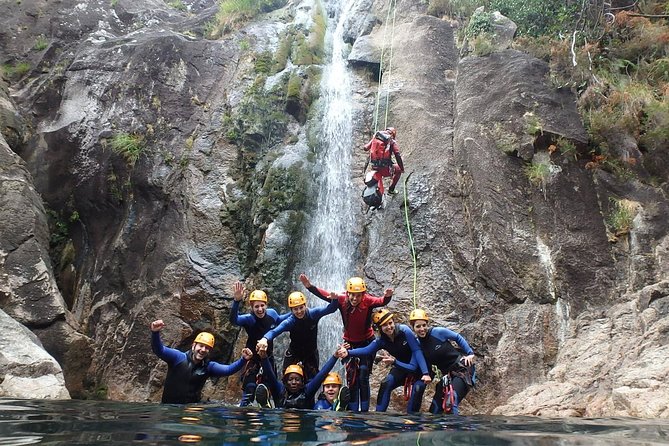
{"type": "Point", "coordinates": [24, 422]}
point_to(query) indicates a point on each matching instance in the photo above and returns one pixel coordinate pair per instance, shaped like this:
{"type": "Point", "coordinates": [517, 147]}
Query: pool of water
{"type": "Point", "coordinates": [24, 422]}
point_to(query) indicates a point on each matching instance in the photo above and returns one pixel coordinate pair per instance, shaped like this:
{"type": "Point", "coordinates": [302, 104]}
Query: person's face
{"type": "Point", "coordinates": [389, 327]}
{"type": "Point", "coordinates": [420, 328]}
{"type": "Point", "coordinates": [200, 351]}
{"type": "Point", "coordinates": [355, 298]}
{"type": "Point", "coordinates": [330, 391]}
{"type": "Point", "coordinates": [299, 311]}
{"type": "Point", "coordinates": [294, 383]}
{"type": "Point", "coordinates": [259, 308]}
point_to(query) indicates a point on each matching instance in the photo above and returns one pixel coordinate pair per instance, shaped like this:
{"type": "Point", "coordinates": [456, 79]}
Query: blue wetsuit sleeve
{"type": "Point", "coordinates": [218, 369]}
{"type": "Point", "coordinates": [283, 326]}
{"type": "Point", "coordinates": [444, 334]}
{"type": "Point", "coordinates": [315, 383]}
{"type": "Point", "coordinates": [368, 350]}
{"type": "Point", "coordinates": [169, 355]}
{"type": "Point", "coordinates": [276, 387]}
{"type": "Point", "coordinates": [319, 312]}
{"type": "Point", "coordinates": [234, 313]}
{"type": "Point", "coordinates": [417, 356]}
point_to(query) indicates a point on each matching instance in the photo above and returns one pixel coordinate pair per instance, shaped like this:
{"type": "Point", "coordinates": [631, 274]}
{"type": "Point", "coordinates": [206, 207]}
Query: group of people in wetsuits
{"type": "Point", "coordinates": [417, 355]}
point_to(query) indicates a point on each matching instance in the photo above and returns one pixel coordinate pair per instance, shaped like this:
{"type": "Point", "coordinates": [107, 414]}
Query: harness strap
{"type": "Point", "coordinates": [449, 397]}
{"type": "Point", "coordinates": [352, 368]}
{"type": "Point", "coordinates": [259, 376]}
{"type": "Point", "coordinates": [408, 387]}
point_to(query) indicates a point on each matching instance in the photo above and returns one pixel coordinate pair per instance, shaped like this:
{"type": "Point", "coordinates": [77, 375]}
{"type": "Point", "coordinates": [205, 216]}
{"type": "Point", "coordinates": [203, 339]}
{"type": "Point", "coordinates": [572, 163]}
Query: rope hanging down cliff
{"type": "Point", "coordinates": [392, 10]}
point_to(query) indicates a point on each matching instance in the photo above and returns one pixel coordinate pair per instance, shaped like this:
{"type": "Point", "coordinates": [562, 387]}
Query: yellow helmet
{"type": "Point", "coordinates": [294, 368]}
{"type": "Point", "coordinates": [381, 317]}
{"type": "Point", "coordinates": [356, 285]}
{"type": "Point", "coordinates": [205, 338]}
{"type": "Point", "coordinates": [295, 299]}
{"type": "Point", "coordinates": [258, 295]}
{"type": "Point", "coordinates": [332, 378]}
{"type": "Point", "coordinates": [417, 315]}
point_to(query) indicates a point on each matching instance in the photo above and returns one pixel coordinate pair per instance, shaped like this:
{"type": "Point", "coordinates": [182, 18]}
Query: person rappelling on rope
{"type": "Point", "coordinates": [382, 147]}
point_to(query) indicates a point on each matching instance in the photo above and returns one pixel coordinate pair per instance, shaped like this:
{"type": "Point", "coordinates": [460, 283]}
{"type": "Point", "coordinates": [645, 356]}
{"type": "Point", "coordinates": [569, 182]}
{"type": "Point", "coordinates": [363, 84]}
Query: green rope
{"type": "Point", "coordinates": [413, 249]}
{"type": "Point", "coordinates": [390, 63]}
{"type": "Point", "coordinates": [391, 8]}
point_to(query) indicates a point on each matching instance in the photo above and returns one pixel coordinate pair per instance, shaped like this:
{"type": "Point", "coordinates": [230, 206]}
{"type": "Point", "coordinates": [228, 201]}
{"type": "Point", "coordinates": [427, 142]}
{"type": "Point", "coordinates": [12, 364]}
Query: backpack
{"type": "Point", "coordinates": [370, 194]}
{"type": "Point", "coordinates": [379, 151]}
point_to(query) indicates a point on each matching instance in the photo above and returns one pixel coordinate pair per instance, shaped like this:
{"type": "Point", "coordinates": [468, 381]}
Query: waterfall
{"type": "Point", "coordinates": [330, 244]}
{"type": "Point", "coordinates": [561, 307]}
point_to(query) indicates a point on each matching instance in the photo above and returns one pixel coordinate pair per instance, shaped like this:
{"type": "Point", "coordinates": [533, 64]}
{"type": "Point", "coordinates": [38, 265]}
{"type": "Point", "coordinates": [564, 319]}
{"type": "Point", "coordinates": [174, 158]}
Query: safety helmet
{"type": "Point", "coordinates": [417, 315]}
{"type": "Point", "coordinates": [356, 285]}
{"type": "Point", "coordinates": [332, 378]}
{"type": "Point", "coordinates": [293, 368]}
{"type": "Point", "coordinates": [295, 299]}
{"type": "Point", "coordinates": [392, 132]}
{"type": "Point", "coordinates": [258, 295]}
{"type": "Point", "coordinates": [381, 317]}
{"type": "Point", "coordinates": [205, 338]}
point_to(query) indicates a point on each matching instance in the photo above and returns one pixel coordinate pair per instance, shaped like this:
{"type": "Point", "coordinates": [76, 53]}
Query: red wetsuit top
{"type": "Point", "coordinates": [357, 320]}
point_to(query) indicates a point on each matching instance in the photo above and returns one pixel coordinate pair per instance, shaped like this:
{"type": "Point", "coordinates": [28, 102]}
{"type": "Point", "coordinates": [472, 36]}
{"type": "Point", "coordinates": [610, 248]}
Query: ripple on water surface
{"type": "Point", "coordinates": [24, 422]}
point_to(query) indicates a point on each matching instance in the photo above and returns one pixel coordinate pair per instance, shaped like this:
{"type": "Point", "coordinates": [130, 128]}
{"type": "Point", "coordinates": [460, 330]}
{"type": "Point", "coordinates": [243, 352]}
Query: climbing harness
{"type": "Point", "coordinates": [352, 368]}
{"type": "Point", "coordinates": [448, 402]}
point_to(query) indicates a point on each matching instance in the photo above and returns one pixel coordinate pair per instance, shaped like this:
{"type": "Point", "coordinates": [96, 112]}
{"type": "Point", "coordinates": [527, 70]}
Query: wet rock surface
{"type": "Point", "coordinates": [530, 272]}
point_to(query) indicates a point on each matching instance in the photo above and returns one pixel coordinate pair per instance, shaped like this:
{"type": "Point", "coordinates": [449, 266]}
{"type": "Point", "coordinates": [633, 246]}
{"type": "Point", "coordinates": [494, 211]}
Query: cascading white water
{"type": "Point", "coordinates": [330, 243]}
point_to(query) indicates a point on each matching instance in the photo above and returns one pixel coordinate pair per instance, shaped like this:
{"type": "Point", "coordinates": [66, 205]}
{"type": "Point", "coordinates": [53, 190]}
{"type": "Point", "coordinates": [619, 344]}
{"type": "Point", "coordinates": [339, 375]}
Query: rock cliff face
{"type": "Point", "coordinates": [570, 318]}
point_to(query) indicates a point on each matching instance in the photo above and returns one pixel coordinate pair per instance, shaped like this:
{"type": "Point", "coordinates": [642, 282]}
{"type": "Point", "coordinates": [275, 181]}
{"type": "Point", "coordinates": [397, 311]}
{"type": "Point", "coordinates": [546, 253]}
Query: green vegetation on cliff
{"type": "Point", "coordinates": [615, 59]}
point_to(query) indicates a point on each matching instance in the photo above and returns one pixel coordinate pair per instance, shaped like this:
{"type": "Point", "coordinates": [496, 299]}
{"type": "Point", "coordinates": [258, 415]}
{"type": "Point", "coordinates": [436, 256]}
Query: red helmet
{"type": "Point", "coordinates": [392, 132]}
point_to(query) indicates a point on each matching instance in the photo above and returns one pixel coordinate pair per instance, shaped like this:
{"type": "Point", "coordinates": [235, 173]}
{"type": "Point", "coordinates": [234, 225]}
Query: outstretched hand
{"type": "Point", "coordinates": [388, 293]}
{"type": "Point", "coordinates": [261, 346]}
{"type": "Point", "coordinates": [305, 280]}
{"type": "Point", "coordinates": [341, 352]}
{"type": "Point", "coordinates": [157, 325]}
{"type": "Point", "coordinates": [238, 291]}
{"type": "Point", "coordinates": [468, 360]}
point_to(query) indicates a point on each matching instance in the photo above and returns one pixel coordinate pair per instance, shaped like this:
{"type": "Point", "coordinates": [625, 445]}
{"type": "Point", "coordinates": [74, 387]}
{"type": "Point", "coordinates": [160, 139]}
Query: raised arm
{"type": "Point", "coordinates": [218, 369]}
{"type": "Point", "coordinates": [314, 385]}
{"type": "Point", "coordinates": [275, 386]}
{"type": "Point", "coordinates": [318, 312]}
{"type": "Point", "coordinates": [318, 292]}
{"type": "Point", "coordinates": [169, 355]}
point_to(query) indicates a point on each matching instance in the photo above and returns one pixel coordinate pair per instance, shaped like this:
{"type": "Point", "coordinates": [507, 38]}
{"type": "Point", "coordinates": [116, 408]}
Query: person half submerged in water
{"type": "Point", "coordinates": [187, 372]}
{"type": "Point", "coordinates": [292, 392]}
{"type": "Point", "coordinates": [334, 396]}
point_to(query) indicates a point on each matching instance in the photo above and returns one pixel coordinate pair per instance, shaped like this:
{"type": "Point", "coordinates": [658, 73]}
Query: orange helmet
{"type": "Point", "coordinates": [356, 285]}
{"type": "Point", "coordinates": [205, 338]}
{"type": "Point", "coordinates": [392, 132]}
{"type": "Point", "coordinates": [418, 315]}
{"type": "Point", "coordinates": [381, 317]}
{"type": "Point", "coordinates": [332, 378]}
{"type": "Point", "coordinates": [295, 299]}
{"type": "Point", "coordinates": [258, 295]}
{"type": "Point", "coordinates": [294, 368]}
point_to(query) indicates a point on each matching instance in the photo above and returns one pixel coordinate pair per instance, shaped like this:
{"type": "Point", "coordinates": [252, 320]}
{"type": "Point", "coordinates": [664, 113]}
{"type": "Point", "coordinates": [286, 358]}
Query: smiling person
{"type": "Point", "coordinates": [187, 372]}
{"type": "Point", "coordinates": [457, 371]}
{"type": "Point", "coordinates": [403, 354]}
{"type": "Point", "coordinates": [256, 324]}
{"type": "Point", "coordinates": [334, 396]}
{"type": "Point", "coordinates": [303, 328]}
{"type": "Point", "coordinates": [355, 306]}
{"type": "Point", "coordinates": [294, 391]}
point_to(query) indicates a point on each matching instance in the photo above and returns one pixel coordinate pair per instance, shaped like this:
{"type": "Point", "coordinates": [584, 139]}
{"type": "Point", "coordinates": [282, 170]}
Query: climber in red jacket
{"type": "Point", "coordinates": [382, 147]}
